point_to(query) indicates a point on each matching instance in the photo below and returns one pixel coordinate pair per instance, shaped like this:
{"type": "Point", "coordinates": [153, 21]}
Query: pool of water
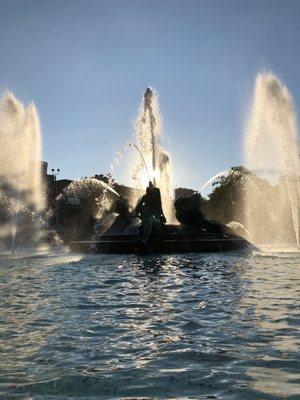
{"type": "Point", "coordinates": [221, 326]}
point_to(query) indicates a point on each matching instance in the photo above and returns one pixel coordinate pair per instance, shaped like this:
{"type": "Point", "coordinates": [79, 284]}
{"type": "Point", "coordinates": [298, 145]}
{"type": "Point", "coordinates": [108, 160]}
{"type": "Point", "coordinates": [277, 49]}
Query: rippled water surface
{"type": "Point", "coordinates": [223, 326]}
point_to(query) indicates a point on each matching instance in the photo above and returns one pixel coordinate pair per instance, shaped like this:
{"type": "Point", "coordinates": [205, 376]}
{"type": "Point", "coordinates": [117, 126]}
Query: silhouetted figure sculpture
{"type": "Point", "coordinates": [149, 210]}
{"type": "Point", "coordinates": [188, 212]}
{"type": "Point", "coordinates": [123, 219]}
{"type": "Point", "coordinates": [122, 207]}
{"type": "Point", "coordinates": [118, 218]}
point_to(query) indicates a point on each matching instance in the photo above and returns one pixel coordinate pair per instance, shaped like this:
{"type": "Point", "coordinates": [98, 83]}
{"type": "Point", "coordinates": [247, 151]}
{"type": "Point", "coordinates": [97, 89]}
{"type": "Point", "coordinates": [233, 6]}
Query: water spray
{"type": "Point", "coordinates": [13, 237]}
{"type": "Point", "coordinates": [148, 96]}
{"type": "Point", "coordinates": [271, 145]}
{"type": "Point", "coordinates": [131, 144]}
{"type": "Point", "coordinates": [211, 180]}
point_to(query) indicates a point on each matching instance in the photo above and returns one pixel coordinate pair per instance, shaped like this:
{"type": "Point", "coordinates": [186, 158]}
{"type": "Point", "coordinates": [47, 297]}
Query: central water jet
{"type": "Point", "coordinates": [152, 161]}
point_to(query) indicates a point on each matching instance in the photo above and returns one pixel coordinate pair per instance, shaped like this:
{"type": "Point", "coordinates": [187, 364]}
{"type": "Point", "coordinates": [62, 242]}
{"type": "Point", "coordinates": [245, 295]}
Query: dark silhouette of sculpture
{"type": "Point", "coordinates": [117, 218]}
{"type": "Point", "coordinates": [122, 208]}
{"type": "Point", "coordinates": [188, 213]}
{"type": "Point", "coordinates": [149, 210]}
{"type": "Point", "coordinates": [123, 219]}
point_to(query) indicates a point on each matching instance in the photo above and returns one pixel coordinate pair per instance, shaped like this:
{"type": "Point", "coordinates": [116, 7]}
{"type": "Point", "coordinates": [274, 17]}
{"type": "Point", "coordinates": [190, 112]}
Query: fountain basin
{"type": "Point", "coordinates": [172, 240]}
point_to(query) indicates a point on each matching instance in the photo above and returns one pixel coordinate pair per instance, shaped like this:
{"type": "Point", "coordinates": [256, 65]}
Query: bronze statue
{"type": "Point", "coordinates": [189, 213]}
{"type": "Point", "coordinates": [149, 210]}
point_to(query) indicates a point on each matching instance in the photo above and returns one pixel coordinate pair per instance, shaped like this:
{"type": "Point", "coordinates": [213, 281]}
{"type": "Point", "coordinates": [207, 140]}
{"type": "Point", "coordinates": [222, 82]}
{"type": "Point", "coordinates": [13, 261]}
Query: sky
{"type": "Point", "coordinates": [86, 64]}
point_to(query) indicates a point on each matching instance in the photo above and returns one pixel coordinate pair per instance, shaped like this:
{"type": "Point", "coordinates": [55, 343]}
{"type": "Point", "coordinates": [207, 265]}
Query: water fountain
{"type": "Point", "coordinates": [151, 160]}
{"type": "Point", "coordinates": [150, 163]}
{"type": "Point", "coordinates": [271, 204]}
{"type": "Point", "coordinates": [122, 233]}
{"type": "Point", "coordinates": [20, 166]}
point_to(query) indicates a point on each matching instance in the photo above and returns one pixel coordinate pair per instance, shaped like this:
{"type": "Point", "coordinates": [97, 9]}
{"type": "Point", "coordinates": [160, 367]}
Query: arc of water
{"type": "Point", "coordinates": [120, 155]}
{"type": "Point", "coordinates": [218, 175]}
{"type": "Point", "coordinates": [142, 157]}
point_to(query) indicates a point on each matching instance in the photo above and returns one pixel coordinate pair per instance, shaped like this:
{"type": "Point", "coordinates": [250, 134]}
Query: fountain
{"type": "Point", "coordinates": [152, 161]}
{"type": "Point", "coordinates": [20, 166]}
{"type": "Point", "coordinates": [271, 203]}
{"type": "Point", "coordinates": [119, 230]}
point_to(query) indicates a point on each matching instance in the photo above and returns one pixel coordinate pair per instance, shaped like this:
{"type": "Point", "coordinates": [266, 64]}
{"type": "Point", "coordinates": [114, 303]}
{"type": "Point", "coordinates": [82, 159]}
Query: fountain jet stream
{"type": "Point", "coordinates": [153, 161]}
{"type": "Point", "coordinates": [20, 158]}
{"type": "Point", "coordinates": [148, 99]}
{"type": "Point", "coordinates": [271, 144]}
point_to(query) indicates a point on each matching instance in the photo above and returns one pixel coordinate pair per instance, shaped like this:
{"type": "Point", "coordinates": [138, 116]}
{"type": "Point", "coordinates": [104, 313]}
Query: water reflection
{"type": "Point", "coordinates": [167, 326]}
{"type": "Point", "coordinates": [270, 305]}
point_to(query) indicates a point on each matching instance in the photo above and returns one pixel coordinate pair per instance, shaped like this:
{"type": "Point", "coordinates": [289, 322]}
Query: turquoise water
{"type": "Point", "coordinates": [222, 326]}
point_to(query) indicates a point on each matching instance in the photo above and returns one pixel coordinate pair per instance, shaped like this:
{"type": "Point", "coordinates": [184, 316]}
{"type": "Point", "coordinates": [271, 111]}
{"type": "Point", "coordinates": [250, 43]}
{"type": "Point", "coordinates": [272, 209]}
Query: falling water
{"type": "Point", "coordinates": [119, 158]}
{"type": "Point", "coordinates": [272, 207]}
{"type": "Point", "coordinates": [152, 161]}
{"type": "Point", "coordinates": [20, 155]}
{"type": "Point", "coordinates": [212, 180]}
{"type": "Point", "coordinates": [13, 237]}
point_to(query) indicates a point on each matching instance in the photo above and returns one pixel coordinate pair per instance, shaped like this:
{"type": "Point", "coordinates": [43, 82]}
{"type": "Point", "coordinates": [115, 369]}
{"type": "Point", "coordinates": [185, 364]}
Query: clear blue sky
{"type": "Point", "coordinates": [86, 63]}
